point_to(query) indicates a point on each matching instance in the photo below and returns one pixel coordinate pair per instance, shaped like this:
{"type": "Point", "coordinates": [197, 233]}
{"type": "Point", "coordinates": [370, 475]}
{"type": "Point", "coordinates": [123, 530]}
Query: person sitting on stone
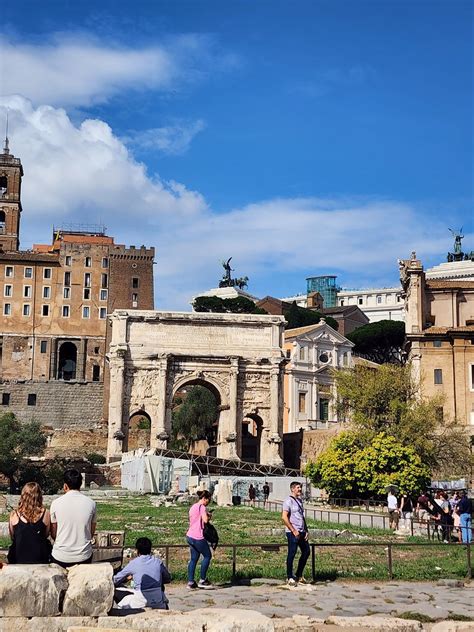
{"type": "Point", "coordinates": [29, 527]}
{"type": "Point", "coordinates": [73, 521]}
{"type": "Point", "coordinates": [148, 574]}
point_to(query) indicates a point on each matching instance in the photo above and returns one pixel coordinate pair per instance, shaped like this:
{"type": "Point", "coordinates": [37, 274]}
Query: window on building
{"type": "Point", "coordinates": [8, 290]}
{"type": "Point", "coordinates": [379, 300]}
{"type": "Point", "coordinates": [360, 301]}
{"type": "Point", "coordinates": [86, 311]}
{"type": "Point", "coordinates": [45, 310]}
{"type": "Point", "coordinates": [103, 295]}
{"type": "Point", "coordinates": [87, 279]}
{"type": "Point", "coordinates": [95, 372]}
{"type": "Point", "coordinates": [26, 309]}
{"type": "Point", "coordinates": [67, 292]}
{"type": "Point", "coordinates": [47, 273]}
{"type": "Point", "coordinates": [436, 343]}
{"type": "Point", "coordinates": [5, 399]}
{"type": "Point", "coordinates": [302, 402]}
{"type": "Point", "coordinates": [88, 262]}
{"type": "Point", "coordinates": [68, 260]}
{"type": "Point", "coordinates": [399, 298]}
{"type": "Point", "coordinates": [324, 409]}
{"type": "Point", "coordinates": [104, 280]}
{"type": "Point", "coordinates": [345, 359]}
{"type": "Point", "coordinates": [87, 293]}
{"type": "Point", "coordinates": [472, 377]}
{"type": "Point", "coordinates": [31, 399]}
{"type": "Point", "coordinates": [438, 376]}
{"type": "Point", "coordinates": [66, 311]}
{"type": "Point", "coordinates": [67, 279]}
{"type": "Point", "coordinates": [341, 303]}
{"type": "Point", "coordinates": [27, 291]}
{"type": "Point", "coordinates": [135, 298]}
{"type": "Point", "coordinates": [43, 346]}
{"type": "Point", "coordinates": [301, 353]}
{"type": "Point", "coordinates": [103, 313]}
{"type": "Point", "coordinates": [28, 273]}
{"type": "Point", "coordinates": [105, 262]}
{"type": "Point", "coordinates": [323, 357]}
{"type": "Point", "coordinates": [46, 291]}
{"type": "Point", "coordinates": [135, 282]}
{"type": "Point", "coordinates": [288, 353]}
{"type": "Point", "coordinates": [7, 309]}
{"type": "Point", "coordinates": [9, 271]}
{"type": "Point", "coordinates": [96, 350]}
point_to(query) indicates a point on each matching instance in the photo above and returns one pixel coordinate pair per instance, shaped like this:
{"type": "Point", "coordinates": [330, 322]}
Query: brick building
{"type": "Point", "coordinates": [53, 319]}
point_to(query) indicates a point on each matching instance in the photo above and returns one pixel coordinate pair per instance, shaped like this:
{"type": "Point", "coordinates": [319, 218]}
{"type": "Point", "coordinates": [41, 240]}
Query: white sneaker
{"type": "Point", "coordinates": [292, 582]}
{"type": "Point", "coordinates": [205, 583]}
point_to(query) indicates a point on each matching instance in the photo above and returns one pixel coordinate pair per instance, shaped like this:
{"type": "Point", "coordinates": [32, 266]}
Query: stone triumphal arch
{"type": "Point", "coordinates": [237, 356]}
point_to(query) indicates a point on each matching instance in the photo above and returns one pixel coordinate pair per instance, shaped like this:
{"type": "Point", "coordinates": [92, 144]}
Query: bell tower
{"type": "Point", "coordinates": [11, 173]}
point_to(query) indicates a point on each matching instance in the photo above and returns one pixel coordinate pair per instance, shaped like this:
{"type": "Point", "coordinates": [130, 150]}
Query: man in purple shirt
{"type": "Point", "coordinates": [148, 574]}
{"type": "Point", "coordinates": [296, 533]}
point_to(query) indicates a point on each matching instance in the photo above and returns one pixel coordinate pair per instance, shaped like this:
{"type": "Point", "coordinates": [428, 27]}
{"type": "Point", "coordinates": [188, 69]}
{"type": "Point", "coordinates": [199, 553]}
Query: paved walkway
{"type": "Point", "coordinates": [436, 600]}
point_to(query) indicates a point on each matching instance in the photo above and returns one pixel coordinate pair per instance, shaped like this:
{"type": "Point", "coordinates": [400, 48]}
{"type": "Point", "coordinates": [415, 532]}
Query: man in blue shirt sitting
{"type": "Point", "coordinates": [149, 574]}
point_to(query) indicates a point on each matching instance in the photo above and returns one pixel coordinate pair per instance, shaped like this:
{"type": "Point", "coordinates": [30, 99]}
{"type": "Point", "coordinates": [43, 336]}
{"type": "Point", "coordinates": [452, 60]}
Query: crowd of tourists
{"type": "Point", "coordinates": [70, 523]}
{"type": "Point", "coordinates": [450, 515]}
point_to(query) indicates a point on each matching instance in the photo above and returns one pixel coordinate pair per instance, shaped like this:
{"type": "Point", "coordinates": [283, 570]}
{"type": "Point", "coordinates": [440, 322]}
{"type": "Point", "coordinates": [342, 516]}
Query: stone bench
{"type": "Point", "coordinates": [45, 590]}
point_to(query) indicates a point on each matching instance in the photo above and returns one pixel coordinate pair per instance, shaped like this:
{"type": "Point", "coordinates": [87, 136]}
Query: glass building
{"type": "Point", "coordinates": [326, 286]}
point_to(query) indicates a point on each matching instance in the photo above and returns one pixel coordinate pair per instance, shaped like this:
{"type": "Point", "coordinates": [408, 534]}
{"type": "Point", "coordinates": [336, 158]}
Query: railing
{"type": "Point", "coordinates": [275, 547]}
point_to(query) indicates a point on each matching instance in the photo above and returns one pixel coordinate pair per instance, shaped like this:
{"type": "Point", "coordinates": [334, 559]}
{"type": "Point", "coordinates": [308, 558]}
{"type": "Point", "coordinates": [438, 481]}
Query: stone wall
{"type": "Point", "coordinates": [58, 404]}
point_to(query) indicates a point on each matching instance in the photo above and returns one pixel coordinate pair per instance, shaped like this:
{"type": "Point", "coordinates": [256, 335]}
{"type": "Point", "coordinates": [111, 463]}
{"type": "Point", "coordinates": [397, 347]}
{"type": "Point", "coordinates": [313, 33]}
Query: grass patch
{"type": "Point", "coordinates": [416, 616]}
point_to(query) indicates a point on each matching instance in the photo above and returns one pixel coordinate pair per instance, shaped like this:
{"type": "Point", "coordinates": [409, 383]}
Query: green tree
{"type": "Point", "coordinates": [380, 342]}
{"type": "Point", "coordinates": [18, 441]}
{"type": "Point", "coordinates": [194, 418]}
{"type": "Point", "coordinates": [388, 400]}
{"type": "Point", "coordinates": [348, 468]}
{"type": "Point", "coordinates": [298, 316]}
{"type": "Point", "coordinates": [216, 304]}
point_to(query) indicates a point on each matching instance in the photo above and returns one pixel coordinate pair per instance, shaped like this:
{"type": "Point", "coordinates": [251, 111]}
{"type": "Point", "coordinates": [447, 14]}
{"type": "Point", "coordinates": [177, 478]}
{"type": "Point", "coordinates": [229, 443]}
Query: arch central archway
{"type": "Point", "coordinates": [67, 362]}
{"type": "Point", "coordinates": [252, 425]}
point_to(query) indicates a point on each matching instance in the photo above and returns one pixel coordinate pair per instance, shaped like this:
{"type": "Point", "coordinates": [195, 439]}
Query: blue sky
{"type": "Point", "coordinates": [300, 138]}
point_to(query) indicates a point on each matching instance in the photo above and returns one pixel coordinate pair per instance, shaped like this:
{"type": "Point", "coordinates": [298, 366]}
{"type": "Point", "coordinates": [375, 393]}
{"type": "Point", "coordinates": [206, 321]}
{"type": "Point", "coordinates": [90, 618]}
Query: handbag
{"type": "Point", "coordinates": [210, 535]}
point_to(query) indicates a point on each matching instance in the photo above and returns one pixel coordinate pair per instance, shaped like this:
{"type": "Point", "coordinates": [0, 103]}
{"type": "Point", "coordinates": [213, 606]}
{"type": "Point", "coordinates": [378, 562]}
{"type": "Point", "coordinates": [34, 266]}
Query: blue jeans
{"type": "Point", "coordinates": [466, 527]}
{"type": "Point", "coordinates": [293, 544]}
{"type": "Point", "coordinates": [198, 548]}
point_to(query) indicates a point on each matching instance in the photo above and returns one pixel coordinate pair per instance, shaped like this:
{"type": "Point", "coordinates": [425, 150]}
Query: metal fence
{"type": "Point", "coordinates": [275, 547]}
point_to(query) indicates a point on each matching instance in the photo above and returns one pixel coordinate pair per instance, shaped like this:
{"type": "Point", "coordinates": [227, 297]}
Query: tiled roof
{"type": "Point", "coordinates": [446, 330]}
{"type": "Point", "coordinates": [293, 333]}
{"type": "Point", "coordinates": [439, 284]}
{"type": "Point", "coordinates": [29, 256]}
{"type": "Point", "coordinates": [358, 361]}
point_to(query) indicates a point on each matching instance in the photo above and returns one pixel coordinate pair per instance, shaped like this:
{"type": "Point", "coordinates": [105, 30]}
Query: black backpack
{"type": "Point", "coordinates": [210, 535]}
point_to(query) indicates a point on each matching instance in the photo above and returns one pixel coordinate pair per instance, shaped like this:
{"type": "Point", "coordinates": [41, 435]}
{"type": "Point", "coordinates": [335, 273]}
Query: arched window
{"type": "Point", "coordinates": [2, 222]}
{"type": "Point", "coordinates": [67, 361]}
{"type": "Point", "coordinates": [3, 185]}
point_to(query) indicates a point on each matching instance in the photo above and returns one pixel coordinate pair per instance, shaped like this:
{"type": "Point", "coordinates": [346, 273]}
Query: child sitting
{"type": "Point", "coordinates": [149, 574]}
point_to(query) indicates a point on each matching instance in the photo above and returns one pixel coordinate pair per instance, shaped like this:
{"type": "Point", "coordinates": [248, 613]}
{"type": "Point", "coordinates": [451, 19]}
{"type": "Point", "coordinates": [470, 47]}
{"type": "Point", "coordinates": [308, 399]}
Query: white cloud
{"type": "Point", "coordinates": [85, 174]}
{"type": "Point", "coordinates": [172, 140]}
{"type": "Point", "coordinates": [79, 71]}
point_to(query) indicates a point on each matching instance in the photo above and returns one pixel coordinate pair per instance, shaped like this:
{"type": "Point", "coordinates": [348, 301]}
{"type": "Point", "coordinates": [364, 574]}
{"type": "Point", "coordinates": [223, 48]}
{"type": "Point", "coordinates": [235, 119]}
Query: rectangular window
{"type": "Point", "coordinates": [103, 312]}
{"type": "Point", "coordinates": [301, 353]}
{"type": "Point", "coordinates": [27, 291]}
{"type": "Point", "coordinates": [47, 273]}
{"type": "Point", "coordinates": [46, 291]}
{"type": "Point", "coordinates": [302, 402]}
{"type": "Point", "coordinates": [105, 262]}
{"type": "Point", "coordinates": [28, 273]}
{"type": "Point", "coordinates": [103, 295]}
{"type": "Point", "coordinates": [87, 279]}
{"type": "Point", "coordinates": [5, 399]}
{"type": "Point", "coordinates": [8, 290]}
{"type": "Point", "coordinates": [31, 399]}
{"type": "Point", "coordinates": [67, 279]}
{"type": "Point", "coordinates": [95, 373]}
{"type": "Point", "coordinates": [379, 300]}
{"type": "Point", "coordinates": [135, 282]}
{"type": "Point", "coordinates": [45, 310]}
{"type": "Point", "coordinates": [65, 311]}
{"type": "Point", "coordinates": [68, 260]}
{"type": "Point", "coordinates": [87, 293]}
{"type": "Point", "coordinates": [88, 262]}
{"type": "Point", "coordinates": [104, 280]}
{"type": "Point", "coordinates": [7, 309]}
{"type": "Point", "coordinates": [43, 346]}
{"type": "Point", "coordinates": [9, 271]}
{"type": "Point", "coordinates": [67, 292]}
{"type": "Point", "coordinates": [438, 376]}
{"type": "Point", "coordinates": [86, 312]}
{"type": "Point", "coordinates": [472, 377]}
{"type": "Point", "coordinates": [26, 309]}
{"type": "Point", "coordinates": [436, 343]}
{"type": "Point", "coordinates": [360, 301]}
{"type": "Point", "coordinates": [134, 300]}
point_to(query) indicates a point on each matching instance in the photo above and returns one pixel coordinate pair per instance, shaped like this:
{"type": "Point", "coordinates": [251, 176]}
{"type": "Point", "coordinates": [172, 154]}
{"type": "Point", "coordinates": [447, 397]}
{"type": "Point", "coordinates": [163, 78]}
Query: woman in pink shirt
{"type": "Point", "coordinates": [198, 546]}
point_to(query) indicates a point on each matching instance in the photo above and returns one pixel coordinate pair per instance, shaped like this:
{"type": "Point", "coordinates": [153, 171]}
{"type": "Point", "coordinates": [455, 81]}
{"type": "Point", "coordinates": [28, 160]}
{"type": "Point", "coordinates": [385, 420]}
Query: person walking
{"type": "Point", "coordinates": [198, 516]}
{"type": "Point", "coordinates": [29, 527]}
{"type": "Point", "coordinates": [252, 494]}
{"type": "Point", "coordinates": [393, 514]}
{"type": "Point", "coordinates": [465, 517]}
{"type": "Point", "coordinates": [266, 493]}
{"type": "Point", "coordinates": [406, 510]}
{"type": "Point", "coordinates": [73, 521]}
{"type": "Point", "coordinates": [296, 533]}
{"type": "Point", "coordinates": [149, 575]}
